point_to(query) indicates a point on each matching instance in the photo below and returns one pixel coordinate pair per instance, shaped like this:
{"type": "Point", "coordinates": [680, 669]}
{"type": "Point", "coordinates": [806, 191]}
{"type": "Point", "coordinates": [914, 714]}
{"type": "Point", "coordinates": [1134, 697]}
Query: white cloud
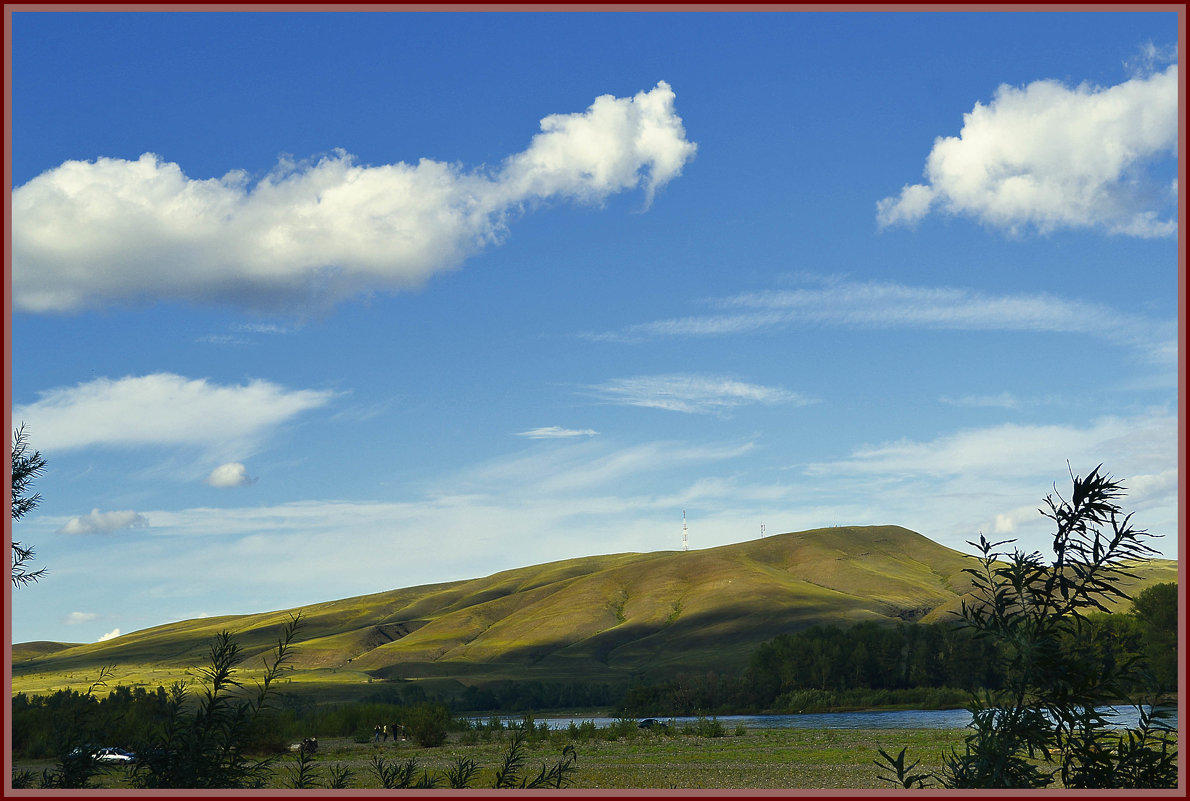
{"type": "Point", "coordinates": [994, 479]}
{"type": "Point", "coordinates": [98, 522]}
{"type": "Point", "coordinates": [1030, 449]}
{"type": "Point", "coordinates": [885, 305]}
{"type": "Point", "coordinates": [232, 474]}
{"type": "Point", "coordinates": [90, 234]}
{"type": "Point", "coordinates": [693, 393]}
{"type": "Point", "coordinates": [109, 636]}
{"type": "Point", "coordinates": [163, 409]}
{"type": "Point", "coordinates": [556, 432]}
{"type": "Point", "coordinates": [1004, 400]}
{"type": "Point", "coordinates": [1149, 57]}
{"type": "Point", "coordinates": [1050, 157]}
{"type": "Point", "coordinates": [585, 497]}
{"type": "Point", "coordinates": [75, 618]}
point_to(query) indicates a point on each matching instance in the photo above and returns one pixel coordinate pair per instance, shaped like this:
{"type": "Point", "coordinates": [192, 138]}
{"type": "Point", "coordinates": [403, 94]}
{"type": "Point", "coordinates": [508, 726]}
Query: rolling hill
{"type": "Point", "coordinates": [601, 618]}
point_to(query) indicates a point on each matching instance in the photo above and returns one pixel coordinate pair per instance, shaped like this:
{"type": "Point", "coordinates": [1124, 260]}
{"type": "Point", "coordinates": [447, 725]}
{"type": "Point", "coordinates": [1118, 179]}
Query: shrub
{"type": "Point", "coordinates": [1046, 710]}
{"type": "Point", "coordinates": [426, 724]}
{"type": "Point", "coordinates": [705, 727]}
{"type": "Point", "coordinates": [204, 744]}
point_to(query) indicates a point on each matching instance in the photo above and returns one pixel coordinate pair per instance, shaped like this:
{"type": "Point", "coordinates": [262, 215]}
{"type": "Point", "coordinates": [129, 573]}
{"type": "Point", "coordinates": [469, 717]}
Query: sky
{"type": "Point", "coordinates": [309, 305]}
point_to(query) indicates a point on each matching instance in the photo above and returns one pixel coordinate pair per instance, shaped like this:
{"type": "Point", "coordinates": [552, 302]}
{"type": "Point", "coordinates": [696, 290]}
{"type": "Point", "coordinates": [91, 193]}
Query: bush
{"type": "Point", "coordinates": [204, 745]}
{"type": "Point", "coordinates": [1046, 710]}
{"type": "Point", "coordinates": [427, 723]}
{"type": "Point", "coordinates": [705, 727]}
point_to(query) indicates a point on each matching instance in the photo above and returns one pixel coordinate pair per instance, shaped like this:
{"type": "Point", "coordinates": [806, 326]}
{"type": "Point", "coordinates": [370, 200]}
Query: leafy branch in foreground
{"type": "Point", "coordinates": [25, 468]}
{"type": "Point", "coordinates": [508, 775]}
{"type": "Point", "coordinates": [204, 741]}
{"type": "Point", "coordinates": [1045, 723]}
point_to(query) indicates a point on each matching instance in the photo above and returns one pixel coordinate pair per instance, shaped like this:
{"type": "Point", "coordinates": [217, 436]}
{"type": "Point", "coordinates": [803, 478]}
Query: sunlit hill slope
{"type": "Point", "coordinates": [601, 618]}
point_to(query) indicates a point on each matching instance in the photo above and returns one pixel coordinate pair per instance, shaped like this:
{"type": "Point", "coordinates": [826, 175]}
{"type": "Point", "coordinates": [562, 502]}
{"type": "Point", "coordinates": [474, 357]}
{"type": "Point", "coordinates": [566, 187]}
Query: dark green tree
{"type": "Point", "coordinates": [1043, 724]}
{"type": "Point", "coordinates": [25, 467]}
{"type": "Point", "coordinates": [1157, 609]}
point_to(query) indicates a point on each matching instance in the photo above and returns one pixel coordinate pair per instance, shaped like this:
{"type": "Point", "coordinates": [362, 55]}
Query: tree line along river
{"type": "Point", "coordinates": [1124, 717]}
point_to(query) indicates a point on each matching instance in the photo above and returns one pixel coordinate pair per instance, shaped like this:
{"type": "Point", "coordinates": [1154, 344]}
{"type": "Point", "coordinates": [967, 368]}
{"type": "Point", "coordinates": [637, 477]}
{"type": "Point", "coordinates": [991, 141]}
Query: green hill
{"type": "Point", "coordinates": [602, 618]}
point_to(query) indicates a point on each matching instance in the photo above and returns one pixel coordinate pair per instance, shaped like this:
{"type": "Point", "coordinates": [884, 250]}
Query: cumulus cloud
{"type": "Point", "coordinates": [1050, 157]}
{"type": "Point", "coordinates": [693, 393]}
{"type": "Point", "coordinates": [232, 474]}
{"type": "Point", "coordinates": [104, 522]}
{"type": "Point", "coordinates": [556, 432]}
{"type": "Point", "coordinates": [109, 636]}
{"type": "Point", "coordinates": [163, 409]}
{"type": "Point", "coordinates": [93, 233]}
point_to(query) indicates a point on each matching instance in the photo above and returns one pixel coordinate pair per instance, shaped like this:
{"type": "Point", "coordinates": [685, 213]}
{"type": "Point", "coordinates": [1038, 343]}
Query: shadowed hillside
{"type": "Point", "coordinates": [602, 618]}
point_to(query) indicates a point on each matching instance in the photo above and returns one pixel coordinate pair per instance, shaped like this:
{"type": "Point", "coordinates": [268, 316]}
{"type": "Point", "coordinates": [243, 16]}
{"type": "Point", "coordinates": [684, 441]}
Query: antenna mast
{"type": "Point", "coordinates": [685, 546]}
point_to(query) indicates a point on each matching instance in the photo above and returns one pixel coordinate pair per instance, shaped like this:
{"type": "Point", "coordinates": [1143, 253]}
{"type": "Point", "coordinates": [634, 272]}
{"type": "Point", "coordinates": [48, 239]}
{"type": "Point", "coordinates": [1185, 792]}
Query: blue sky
{"type": "Point", "coordinates": [311, 305]}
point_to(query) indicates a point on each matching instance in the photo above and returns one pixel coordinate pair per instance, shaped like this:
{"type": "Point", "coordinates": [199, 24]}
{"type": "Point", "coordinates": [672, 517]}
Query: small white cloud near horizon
{"type": "Point", "coordinates": [556, 432]}
{"type": "Point", "coordinates": [98, 522]}
{"type": "Point", "coordinates": [232, 474]}
{"type": "Point", "coordinates": [111, 635]}
{"type": "Point", "coordinates": [692, 393]}
{"type": "Point", "coordinates": [163, 409]}
{"type": "Point", "coordinates": [1049, 157]}
{"type": "Point", "coordinates": [90, 234]}
{"type": "Point", "coordinates": [76, 618]}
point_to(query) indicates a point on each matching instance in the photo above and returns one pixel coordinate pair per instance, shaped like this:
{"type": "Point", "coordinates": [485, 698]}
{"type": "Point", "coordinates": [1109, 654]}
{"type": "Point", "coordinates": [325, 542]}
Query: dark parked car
{"type": "Point", "coordinates": [652, 723]}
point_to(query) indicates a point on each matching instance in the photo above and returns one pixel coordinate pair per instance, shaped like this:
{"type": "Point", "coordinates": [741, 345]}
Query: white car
{"type": "Point", "coordinates": [114, 756]}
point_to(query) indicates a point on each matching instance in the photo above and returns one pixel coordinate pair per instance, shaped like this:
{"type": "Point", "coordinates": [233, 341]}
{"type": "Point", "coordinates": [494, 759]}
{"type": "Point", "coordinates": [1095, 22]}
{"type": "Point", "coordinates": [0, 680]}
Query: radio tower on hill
{"type": "Point", "coordinates": [685, 545]}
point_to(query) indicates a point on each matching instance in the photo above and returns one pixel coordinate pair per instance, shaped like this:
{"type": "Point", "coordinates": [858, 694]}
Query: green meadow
{"type": "Point", "coordinates": [757, 759]}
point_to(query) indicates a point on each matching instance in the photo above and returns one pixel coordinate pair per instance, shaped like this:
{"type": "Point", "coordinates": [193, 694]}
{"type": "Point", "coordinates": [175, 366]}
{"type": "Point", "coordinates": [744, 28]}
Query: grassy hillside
{"type": "Point", "coordinates": [603, 618]}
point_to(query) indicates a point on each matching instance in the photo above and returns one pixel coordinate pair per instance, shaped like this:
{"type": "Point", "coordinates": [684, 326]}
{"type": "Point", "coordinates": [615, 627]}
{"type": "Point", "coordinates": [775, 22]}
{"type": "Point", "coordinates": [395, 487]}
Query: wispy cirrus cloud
{"type": "Point", "coordinates": [1004, 400]}
{"type": "Point", "coordinates": [693, 393]}
{"type": "Point", "coordinates": [513, 511]}
{"type": "Point", "coordinates": [241, 333]}
{"type": "Point", "coordinates": [91, 234]}
{"type": "Point", "coordinates": [556, 432]}
{"type": "Point", "coordinates": [994, 478]}
{"type": "Point", "coordinates": [164, 409]}
{"type": "Point", "coordinates": [888, 305]}
{"type": "Point", "coordinates": [1048, 157]}
{"type": "Point", "coordinates": [1147, 442]}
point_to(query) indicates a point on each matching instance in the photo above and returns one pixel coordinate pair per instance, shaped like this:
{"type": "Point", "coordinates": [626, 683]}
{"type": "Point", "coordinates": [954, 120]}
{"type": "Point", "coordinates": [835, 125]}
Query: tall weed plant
{"type": "Point", "coordinates": [1043, 726]}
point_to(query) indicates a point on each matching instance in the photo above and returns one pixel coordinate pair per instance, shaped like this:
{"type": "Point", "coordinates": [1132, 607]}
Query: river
{"type": "Point", "coordinates": [1121, 717]}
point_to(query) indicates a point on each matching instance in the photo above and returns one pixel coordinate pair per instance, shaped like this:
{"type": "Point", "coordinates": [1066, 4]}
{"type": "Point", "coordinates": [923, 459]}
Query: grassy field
{"type": "Point", "coordinates": [757, 759]}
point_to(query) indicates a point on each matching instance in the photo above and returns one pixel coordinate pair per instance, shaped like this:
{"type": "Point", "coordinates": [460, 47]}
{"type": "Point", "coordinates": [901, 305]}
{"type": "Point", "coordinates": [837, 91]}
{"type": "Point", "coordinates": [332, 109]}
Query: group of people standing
{"type": "Point", "coordinates": [382, 732]}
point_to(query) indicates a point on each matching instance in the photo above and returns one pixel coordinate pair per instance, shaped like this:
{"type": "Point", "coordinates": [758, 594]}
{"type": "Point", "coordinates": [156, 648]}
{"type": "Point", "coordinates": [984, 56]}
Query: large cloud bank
{"type": "Point", "coordinates": [1050, 157]}
{"type": "Point", "coordinates": [93, 233]}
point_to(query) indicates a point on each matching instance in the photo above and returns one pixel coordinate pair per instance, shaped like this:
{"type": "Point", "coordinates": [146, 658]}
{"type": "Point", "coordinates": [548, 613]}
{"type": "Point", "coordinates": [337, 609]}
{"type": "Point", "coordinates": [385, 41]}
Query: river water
{"type": "Point", "coordinates": [1121, 717]}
